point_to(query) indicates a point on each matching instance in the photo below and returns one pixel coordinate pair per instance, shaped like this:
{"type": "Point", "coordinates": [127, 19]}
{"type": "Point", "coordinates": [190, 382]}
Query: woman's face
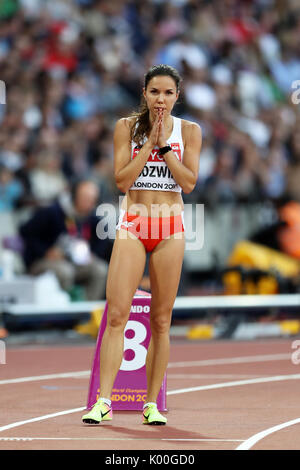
{"type": "Point", "coordinates": [161, 94]}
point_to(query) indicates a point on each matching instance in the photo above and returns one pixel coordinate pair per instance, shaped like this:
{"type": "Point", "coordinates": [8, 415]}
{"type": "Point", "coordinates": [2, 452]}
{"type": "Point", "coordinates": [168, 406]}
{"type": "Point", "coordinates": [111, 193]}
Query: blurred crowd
{"type": "Point", "coordinates": [71, 68]}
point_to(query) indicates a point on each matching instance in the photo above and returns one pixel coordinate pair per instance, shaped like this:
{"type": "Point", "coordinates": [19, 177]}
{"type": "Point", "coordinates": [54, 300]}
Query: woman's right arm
{"type": "Point", "coordinates": [126, 170]}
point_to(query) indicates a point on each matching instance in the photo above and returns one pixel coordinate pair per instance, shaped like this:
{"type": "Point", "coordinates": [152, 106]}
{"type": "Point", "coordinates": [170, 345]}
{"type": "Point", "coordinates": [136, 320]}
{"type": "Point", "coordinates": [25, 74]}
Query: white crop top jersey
{"type": "Point", "coordinates": [156, 175]}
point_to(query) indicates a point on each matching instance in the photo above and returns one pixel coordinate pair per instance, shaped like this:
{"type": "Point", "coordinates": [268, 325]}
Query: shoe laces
{"type": "Point", "coordinates": [153, 405]}
{"type": "Point", "coordinates": [100, 403]}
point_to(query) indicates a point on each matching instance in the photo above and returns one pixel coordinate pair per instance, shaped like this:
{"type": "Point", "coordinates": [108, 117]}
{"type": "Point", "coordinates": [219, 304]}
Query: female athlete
{"type": "Point", "coordinates": [156, 156]}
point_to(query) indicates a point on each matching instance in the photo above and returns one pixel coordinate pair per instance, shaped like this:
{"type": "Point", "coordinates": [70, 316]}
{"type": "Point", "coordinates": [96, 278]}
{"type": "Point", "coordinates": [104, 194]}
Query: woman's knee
{"type": "Point", "coordinates": [117, 316]}
{"type": "Point", "coordinates": [160, 320]}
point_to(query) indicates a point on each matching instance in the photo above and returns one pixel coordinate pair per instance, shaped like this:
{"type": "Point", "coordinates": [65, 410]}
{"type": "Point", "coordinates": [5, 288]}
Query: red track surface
{"type": "Point", "coordinates": [212, 419]}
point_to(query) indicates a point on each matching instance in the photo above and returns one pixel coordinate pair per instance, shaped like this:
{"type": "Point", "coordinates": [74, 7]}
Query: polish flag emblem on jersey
{"type": "Point", "coordinates": [154, 155]}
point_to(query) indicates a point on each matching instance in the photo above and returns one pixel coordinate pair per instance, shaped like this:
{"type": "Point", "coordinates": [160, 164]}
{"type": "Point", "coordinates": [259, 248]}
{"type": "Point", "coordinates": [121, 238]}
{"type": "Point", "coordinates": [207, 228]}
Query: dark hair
{"type": "Point", "coordinates": [77, 182]}
{"type": "Point", "coordinates": [141, 126]}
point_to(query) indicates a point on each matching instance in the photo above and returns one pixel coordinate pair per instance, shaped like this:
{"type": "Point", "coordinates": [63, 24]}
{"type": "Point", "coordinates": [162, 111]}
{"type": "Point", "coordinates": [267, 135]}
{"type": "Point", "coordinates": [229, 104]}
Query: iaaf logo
{"type": "Point", "coordinates": [126, 224]}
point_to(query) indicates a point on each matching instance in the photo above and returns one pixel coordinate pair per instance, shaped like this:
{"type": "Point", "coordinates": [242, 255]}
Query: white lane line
{"type": "Point", "coordinates": [35, 378]}
{"type": "Point", "coordinates": [211, 376]}
{"type": "Point", "coordinates": [202, 363]}
{"type": "Point", "coordinates": [247, 444]}
{"type": "Point", "coordinates": [232, 360]}
{"type": "Point", "coordinates": [276, 378]}
{"type": "Point", "coordinates": [40, 418]}
{"type": "Point", "coordinates": [172, 392]}
{"type": "Point", "coordinates": [112, 439]}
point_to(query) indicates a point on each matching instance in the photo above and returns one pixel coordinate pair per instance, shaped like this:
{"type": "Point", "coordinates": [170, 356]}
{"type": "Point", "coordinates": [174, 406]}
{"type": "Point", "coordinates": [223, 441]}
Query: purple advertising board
{"type": "Point", "coordinates": [130, 387]}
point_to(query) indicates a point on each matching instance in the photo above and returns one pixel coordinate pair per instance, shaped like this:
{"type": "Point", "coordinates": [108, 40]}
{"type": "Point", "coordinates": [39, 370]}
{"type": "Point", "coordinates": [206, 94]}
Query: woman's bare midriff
{"type": "Point", "coordinates": [153, 203]}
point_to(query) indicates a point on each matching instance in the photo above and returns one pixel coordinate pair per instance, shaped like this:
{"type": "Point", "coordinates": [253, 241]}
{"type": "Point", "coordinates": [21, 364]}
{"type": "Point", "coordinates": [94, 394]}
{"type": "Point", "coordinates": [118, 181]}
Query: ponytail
{"type": "Point", "coordinates": [141, 126]}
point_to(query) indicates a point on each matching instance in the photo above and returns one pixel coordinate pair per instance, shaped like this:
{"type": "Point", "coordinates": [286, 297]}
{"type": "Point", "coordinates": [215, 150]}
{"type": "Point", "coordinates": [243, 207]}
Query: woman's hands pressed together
{"type": "Point", "coordinates": [157, 134]}
{"type": "Point", "coordinates": [161, 142]}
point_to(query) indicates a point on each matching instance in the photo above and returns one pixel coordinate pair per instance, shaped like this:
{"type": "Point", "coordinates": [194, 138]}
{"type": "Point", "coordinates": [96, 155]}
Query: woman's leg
{"type": "Point", "coordinates": [164, 269]}
{"type": "Point", "coordinates": [125, 272]}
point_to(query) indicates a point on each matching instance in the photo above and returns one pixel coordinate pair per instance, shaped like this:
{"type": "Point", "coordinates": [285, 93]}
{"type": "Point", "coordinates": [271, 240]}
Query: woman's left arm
{"type": "Point", "coordinates": [185, 173]}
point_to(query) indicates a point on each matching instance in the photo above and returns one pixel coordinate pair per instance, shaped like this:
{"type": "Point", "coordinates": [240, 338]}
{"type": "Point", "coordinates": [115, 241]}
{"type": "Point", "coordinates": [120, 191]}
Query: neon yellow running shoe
{"type": "Point", "coordinates": [151, 415]}
{"type": "Point", "coordinates": [100, 412]}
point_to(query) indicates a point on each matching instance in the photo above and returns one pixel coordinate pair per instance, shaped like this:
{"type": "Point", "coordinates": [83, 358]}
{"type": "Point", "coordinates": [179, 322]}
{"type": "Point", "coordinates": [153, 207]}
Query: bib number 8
{"type": "Point", "coordinates": [134, 344]}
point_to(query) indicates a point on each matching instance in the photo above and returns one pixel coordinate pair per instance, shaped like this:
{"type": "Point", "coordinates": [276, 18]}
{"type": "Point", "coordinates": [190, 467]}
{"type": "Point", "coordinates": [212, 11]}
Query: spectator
{"type": "Point", "coordinates": [72, 68]}
{"type": "Point", "coordinates": [62, 238]}
{"type": "Point", "coordinates": [47, 179]}
{"type": "Point", "coordinates": [11, 190]}
{"type": "Point", "coordinates": [293, 170]}
{"type": "Point", "coordinates": [220, 185]}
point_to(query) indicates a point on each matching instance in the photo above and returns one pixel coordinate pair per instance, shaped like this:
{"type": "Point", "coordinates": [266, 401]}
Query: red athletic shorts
{"type": "Point", "coordinates": [151, 230]}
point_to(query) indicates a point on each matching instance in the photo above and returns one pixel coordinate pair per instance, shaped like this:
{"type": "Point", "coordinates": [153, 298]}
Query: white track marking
{"type": "Point", "coordinates": [204, 440]}
{"type": "Point", "coordinates": [207, 362]}
{"type": "Point", "coordinates": [112, 439]}
{"type": "Point", "coordinates": [247, 444]}
{"type": "Point", "coordinates": [276, 378]}
{"type": "Point", "coordinates": [172, 392]}
{"type": "Point", "coordinates": [232, 360]}
{"type": "Point", "coordinates": [35, 378]}
{"type": "Point", "coordinates": [40, 418]}
{"type": "Point", "coordinates": [211, 376]}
